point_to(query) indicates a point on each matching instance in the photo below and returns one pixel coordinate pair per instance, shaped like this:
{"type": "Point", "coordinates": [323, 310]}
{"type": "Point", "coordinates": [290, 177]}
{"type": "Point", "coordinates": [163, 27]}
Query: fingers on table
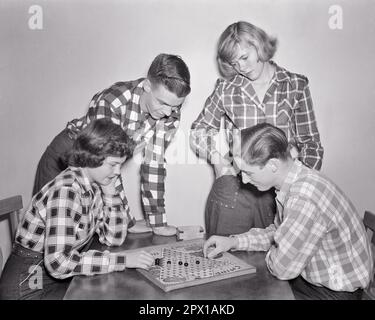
{"type": "Point", "coordinates": [209, 243]}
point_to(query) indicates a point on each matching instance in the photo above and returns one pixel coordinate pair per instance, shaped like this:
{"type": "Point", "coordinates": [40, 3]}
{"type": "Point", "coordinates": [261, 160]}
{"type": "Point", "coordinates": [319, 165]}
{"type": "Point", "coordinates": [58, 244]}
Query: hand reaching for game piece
{"type": "Point", "coordinates": [139, 259]}
{"type": "Point", "coordinates": [214, 256]}
{"type": "Point", "coordinates": [219, 244]}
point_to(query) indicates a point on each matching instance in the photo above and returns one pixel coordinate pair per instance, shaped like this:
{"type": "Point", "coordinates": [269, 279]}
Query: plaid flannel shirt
{"type": "Point", "coordinates": [287, 105]}
{"type": "Point", "coordinates": [120, 103]}
{"type": "Point", "coordinates": [317, 234]}
{"type": "Point", "coordinates": [64, 216]}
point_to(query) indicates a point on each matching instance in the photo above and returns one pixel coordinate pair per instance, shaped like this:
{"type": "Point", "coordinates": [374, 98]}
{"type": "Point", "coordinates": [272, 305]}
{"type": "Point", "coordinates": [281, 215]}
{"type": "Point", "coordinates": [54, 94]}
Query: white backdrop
{"type": "Point", "coordinates": [48, 76]}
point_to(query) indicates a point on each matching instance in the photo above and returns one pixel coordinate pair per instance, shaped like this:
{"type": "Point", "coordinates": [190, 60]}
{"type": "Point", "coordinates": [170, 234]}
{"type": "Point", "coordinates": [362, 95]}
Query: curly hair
{"type": "Point", "coordinates": [100, 139]}
{"type": "Point", "coordinates": [233, 35]}
{"type": "Point", "coordinates": [172, 72]}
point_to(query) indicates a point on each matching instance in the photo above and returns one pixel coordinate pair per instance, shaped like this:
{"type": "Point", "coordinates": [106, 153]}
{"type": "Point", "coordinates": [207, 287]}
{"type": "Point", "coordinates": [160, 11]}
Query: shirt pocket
{"type": "Point", "coordinates": [234, 106]}
{"type": "Point", "coordinates": [284, 113]}
{"type": "Point", "coordinates": [244, 114]}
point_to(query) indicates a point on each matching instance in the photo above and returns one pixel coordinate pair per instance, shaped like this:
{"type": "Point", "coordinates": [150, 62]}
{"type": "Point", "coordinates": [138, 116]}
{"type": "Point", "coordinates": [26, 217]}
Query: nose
{"type": "Point", "coordinates": [117, 169]}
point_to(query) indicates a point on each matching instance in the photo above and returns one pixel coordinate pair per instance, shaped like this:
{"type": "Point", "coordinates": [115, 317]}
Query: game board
{"type": "Point", "coordinates": [182, 264]}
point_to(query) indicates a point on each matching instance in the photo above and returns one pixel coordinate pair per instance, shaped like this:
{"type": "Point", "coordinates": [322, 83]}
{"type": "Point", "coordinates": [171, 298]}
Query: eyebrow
{"type": "Point", "coordinates": [234, 61]}
{"type": "Point", "coordinates": [243, 55]}
{"type": "Point", "coordinates": [115, 161]}
{"type": "Point", "coordinates": [163, 102]}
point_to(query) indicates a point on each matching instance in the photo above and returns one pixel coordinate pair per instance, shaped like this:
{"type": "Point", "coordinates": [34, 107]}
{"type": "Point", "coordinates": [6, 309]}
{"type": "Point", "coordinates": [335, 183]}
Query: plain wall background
{"type": "Point", "coordinates": [48, 76]}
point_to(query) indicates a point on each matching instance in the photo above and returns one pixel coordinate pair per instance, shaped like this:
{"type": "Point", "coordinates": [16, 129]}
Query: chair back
{"type": "Point", "coordinates": [9, 209]}
{"type": "Point", "coordinates": [369, 222]}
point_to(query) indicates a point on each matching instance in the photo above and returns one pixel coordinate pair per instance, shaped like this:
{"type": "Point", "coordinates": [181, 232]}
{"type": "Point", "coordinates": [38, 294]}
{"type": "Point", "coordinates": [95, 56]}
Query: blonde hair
{"type": "Point", "coordinates": [236, 33]}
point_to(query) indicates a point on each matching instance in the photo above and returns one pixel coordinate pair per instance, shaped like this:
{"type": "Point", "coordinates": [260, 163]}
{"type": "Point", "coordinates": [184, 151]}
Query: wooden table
{"type": "Point", "coordinates": [131, 285]}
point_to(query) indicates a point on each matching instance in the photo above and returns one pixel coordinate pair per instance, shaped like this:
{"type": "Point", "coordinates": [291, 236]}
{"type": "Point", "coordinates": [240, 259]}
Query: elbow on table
{"type": "Point", "coordinates": [59, 275]}
{"type": "Point", "coordinates": [55, 269]}
{"type": "Point", "coordinates": [283, 272]}
{"type": "Point", "coordinates": [114, 239]}
{"type": "Point", "coordinates": [56, 273]}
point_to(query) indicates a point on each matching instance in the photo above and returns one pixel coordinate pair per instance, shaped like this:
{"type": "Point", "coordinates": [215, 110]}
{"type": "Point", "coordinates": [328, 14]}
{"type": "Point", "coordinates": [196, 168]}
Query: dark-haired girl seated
{"type": "Point", "coordinates": [65, 214]}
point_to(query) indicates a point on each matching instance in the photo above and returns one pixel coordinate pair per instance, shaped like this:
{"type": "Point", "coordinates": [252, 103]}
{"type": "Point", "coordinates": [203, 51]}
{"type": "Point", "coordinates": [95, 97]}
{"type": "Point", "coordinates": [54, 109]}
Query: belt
{"type": "Point", "coordinates": [24, 252]}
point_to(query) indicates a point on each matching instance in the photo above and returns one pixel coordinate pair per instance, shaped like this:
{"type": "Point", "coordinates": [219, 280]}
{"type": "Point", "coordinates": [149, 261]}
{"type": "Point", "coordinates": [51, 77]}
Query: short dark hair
{"type": "Point", "coordinates": [100, 139]}
{"type": "Point", "coordinates": [172, 72]}
{"type": "Point", "coordinates": [263, 142]}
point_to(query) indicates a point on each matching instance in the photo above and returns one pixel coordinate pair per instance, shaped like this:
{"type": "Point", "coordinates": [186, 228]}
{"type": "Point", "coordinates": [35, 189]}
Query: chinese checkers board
{"type": "Point", "coordinates": [182, 264]}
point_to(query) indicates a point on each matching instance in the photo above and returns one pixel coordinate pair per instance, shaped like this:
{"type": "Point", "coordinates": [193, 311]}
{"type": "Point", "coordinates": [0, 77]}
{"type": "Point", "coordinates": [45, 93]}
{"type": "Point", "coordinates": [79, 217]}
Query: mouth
{"type": "Point", "coordinates": [157, 115]}
{"type": "Point", "coordinates": [250, 74]}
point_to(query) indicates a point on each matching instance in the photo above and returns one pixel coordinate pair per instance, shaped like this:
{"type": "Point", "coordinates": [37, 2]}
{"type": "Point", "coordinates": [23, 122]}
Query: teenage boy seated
{"type": "Point", "coordinates": [63, 217]}
{"type": "Point", "coordinates": [317, 240]}
{"type": "Point", "coordinates": [149, 110]}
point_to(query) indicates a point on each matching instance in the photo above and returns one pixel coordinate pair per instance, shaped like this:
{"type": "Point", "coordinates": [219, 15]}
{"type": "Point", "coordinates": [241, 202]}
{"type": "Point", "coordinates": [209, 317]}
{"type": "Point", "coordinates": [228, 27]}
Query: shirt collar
{"type": "Point", "coordinates": [84, 181]}
{"type": "Point", "coordinates": [280, 75]}
{"type": "Point", "coordinates": [138, 91]}
{"type": "Point", "coordinates": [139, 88]}
{"type": "Point", "coordinates": [291, 177]}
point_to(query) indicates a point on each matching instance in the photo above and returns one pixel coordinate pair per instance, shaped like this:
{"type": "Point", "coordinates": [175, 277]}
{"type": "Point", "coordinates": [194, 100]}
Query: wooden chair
{"type": "Point", "coordinates": [369, 222]}
{"type": "Point", "coordinates": [9, 209]}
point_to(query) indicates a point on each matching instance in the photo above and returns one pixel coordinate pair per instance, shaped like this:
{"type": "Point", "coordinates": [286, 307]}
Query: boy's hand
{"type": "Point", "coordinates": [220, 244]}
{"type": "Point", "coordinates": [139, 259]}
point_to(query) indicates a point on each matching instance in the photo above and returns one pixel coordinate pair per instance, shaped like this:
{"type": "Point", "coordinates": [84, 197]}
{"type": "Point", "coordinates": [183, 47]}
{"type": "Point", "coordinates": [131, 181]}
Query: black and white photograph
{"type": "Point", "coordinates": [201, 152]}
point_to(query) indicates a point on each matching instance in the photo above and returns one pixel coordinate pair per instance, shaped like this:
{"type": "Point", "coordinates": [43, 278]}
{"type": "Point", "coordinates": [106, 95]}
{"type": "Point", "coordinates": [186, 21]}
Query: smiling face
{"type": "Point", "coordinates": [158, 101]}
{"type": "Point", "coordinates": [104, 174]}
{"type": "Point", "coordinates": [246, 61]}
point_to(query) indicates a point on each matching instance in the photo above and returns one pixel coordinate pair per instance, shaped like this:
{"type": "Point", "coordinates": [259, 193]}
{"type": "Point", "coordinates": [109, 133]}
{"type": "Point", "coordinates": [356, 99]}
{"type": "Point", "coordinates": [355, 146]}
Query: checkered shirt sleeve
{"type": "Point", "coordinates": [306, 135]}
{"type": "Point", "coordinates": [256, 239]}
{"type": "Point", "coordinates": [65, 225]}
{"type": "Point", "coordinates": [120, 201]}
{"type": "Point", "coordinates": [112, 228]}
{"type": "Point", "coordinates": [153, 171]}
{"type": "Point", "coordinates": [207, 125]}
{"type": "Point", "coordinates": [110, 103]}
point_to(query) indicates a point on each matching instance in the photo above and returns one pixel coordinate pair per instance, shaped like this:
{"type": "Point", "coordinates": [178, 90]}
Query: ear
{"type": "Point", "coordinates": [273, 164]}
{"type": "Point", "coordinates": [147, 85]}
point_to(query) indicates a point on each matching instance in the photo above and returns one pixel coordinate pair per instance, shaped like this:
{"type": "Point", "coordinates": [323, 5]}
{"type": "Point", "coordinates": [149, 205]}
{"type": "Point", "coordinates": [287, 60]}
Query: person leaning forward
{"type": "Point", "coordinates": [254, 89]}
{"type": "Point", "coordinates": [57, 228]}
{"type": "Point", "coordinates": [317, 240]}
{"type": "Point", "coordinates": [149, 111]}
